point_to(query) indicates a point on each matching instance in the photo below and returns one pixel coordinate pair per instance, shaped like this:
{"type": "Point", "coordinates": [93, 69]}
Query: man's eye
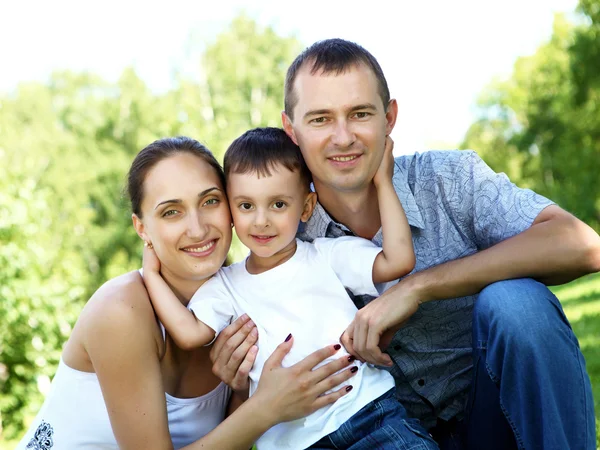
{"type": "Point", "coordinates": [279, 205]}
{"type": "Point", "coordinates": [319, 120]}
{"type": "Point", "coordinates": [361, 115]}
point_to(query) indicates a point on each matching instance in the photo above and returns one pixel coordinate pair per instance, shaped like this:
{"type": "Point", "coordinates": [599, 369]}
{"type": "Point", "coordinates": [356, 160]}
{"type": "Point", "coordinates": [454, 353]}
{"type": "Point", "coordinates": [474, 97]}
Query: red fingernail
{"type": "Point", "coordinates": [351, 358]}
{"type": "Point", "coordinates": [337, 346]}
{"type": "Point", "coordinates": [289, 337]}
{"type": "Point", "coordinates": [348, 388]}
{"type": "Point", "coordinates": [354, 369]}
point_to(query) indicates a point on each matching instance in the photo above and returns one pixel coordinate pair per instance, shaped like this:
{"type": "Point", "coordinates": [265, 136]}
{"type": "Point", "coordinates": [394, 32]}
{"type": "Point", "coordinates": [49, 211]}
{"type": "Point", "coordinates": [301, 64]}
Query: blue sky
{"type": "Point", "coordinates": [437, 55]}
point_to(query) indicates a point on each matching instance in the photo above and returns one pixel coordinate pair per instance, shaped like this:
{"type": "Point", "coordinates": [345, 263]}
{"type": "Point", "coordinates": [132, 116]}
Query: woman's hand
{"type": "Point", "coordinates": [386, 168]}
{"type": "Point", "coordinates": [297, 391]}
{"type": "Point", "coordinates": [150, 263]}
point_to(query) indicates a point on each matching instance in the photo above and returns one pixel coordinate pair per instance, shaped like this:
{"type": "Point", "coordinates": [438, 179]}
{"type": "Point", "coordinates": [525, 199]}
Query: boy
{"type": "Point", "coordinates": [289, 287]}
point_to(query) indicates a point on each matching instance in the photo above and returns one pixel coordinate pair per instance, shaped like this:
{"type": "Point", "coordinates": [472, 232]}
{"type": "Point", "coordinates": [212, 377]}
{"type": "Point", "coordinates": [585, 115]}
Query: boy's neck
{"type": "Point", "coordinates": [359, 210]}
{"type": "Point", "coordinates": [256, 264]}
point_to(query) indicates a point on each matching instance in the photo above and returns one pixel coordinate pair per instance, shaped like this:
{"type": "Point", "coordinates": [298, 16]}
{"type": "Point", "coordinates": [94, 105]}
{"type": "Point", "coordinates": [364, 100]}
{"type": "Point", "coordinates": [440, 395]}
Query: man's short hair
{"type": "Point", "coordinates": [260, 150]}
{"type": "Point", "coordinates": [332, 56]}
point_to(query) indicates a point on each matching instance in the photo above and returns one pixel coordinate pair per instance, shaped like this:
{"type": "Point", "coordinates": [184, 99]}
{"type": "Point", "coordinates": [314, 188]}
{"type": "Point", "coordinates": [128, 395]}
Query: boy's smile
{"type": "Point", "coordinates": [266, 212]}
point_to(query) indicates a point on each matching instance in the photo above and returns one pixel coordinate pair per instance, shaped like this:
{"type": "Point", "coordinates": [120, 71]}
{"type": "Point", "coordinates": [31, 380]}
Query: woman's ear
{"type": "Point", "coordinates": [309, 206]}
{"type": "Point", "coordinates": [139, 227]}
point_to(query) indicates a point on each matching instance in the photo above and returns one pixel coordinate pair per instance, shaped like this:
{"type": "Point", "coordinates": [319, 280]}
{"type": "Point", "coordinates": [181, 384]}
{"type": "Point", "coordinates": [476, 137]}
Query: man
{"type": "Point", "coordinates": [483, 362]}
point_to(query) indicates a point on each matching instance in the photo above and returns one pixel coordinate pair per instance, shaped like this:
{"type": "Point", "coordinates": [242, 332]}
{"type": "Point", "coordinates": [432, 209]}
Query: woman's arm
{"type": "Point", "coordinates": [186, 330]}
{"type": "Point", "coordinates": [121, 342]}
{"type": "Point", "coordinates": [283, 394]}
{"type": "Point", "coordinates": [397, 257]}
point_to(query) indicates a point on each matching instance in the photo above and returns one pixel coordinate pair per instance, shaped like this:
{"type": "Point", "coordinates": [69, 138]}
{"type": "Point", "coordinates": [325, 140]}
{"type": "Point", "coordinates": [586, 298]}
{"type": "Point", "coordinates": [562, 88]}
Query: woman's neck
{"type": "Point", "coordinates": [183, 288]}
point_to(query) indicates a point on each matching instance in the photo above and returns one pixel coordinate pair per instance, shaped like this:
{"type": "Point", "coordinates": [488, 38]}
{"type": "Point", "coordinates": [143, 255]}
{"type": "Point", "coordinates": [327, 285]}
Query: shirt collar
{"type": "Point", "coordinates": [320, 218]}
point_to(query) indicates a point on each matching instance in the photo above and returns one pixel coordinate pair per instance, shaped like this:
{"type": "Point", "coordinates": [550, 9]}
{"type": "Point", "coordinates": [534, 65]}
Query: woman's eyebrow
{"type": "Point", "coordinates": [200, 195]}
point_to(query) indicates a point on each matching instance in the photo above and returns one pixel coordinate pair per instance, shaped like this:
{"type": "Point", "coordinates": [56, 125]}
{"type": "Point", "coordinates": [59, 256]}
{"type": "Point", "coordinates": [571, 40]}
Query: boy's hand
{"type": "Point", "coordinates": [386, 168]}
{"type": "Point", "coordinates": [150, 263]}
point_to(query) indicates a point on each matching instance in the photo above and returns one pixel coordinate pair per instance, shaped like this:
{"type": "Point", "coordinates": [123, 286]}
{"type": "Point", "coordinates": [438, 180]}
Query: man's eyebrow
{"type": "Point", "coordinates": [316, 112]}
{"type": "Point", "coordinates": [178, 200]}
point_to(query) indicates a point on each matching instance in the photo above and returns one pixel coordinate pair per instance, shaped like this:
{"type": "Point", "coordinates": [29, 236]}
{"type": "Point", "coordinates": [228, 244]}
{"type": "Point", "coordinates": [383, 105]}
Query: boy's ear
{"type": "Point", "coordinates": [309, 206]}
{"type": "Point", "coordinates": [139, 227]}
{"type": "Point", "coordinates": [287, 126]}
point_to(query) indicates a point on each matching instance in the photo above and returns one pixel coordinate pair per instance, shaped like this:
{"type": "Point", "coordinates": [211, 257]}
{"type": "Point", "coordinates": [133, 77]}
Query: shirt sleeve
{"type": "Point", "coordinates": [494, 207]}
{"type": "Point", "coordinates": [213, 304]}
{"type": "Point", "coordinates": [351, 258]}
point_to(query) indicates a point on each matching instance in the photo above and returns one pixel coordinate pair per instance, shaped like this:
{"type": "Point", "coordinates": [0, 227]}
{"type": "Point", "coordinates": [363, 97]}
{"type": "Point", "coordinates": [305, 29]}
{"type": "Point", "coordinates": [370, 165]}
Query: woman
{"type": "Point", "coordinates": [122, 383]}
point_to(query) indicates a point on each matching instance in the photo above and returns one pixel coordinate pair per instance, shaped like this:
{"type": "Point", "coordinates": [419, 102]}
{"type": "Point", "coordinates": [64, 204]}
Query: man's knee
{"type": "Point", "coordinates": [523, 308]}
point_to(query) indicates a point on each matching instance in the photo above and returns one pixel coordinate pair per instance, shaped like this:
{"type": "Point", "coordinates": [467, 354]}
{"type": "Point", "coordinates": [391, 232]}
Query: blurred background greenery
{"type": "Point", "coordinates": [65, 147]}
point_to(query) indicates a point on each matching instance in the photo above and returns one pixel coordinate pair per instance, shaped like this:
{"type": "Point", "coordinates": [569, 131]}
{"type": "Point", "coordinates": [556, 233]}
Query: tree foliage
{"type": "Point", "coordinates": [542, 126]}
{"type": "Point", "coordinates": [65, 147]}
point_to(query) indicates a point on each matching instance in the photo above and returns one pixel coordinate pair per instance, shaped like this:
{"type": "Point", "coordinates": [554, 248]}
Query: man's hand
{"type": "Point", "coordinates": [233, 354]}
{"type": "Point", "coordinates": [374, 325]}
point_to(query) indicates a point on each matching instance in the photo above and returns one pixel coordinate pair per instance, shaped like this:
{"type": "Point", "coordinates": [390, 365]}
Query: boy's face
{"type": "Point", "coordinates": [267, 210]}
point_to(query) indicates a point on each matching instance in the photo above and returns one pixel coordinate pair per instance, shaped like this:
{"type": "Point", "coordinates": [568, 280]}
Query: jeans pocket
{"type": "Point", "coordinates": [415, 426]}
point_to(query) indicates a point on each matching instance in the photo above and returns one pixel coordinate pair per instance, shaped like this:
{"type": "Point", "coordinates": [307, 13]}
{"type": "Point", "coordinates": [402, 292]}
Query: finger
{"type": "Point", "coordinates": [326, 370]}
{"type": "Point", "coordinates": [335, 380]}
{"type": "Point", "coordinates": [360, 338]}
{"type": "Point", "coordinates": [241, 377]}
{"type": "Point", "coordinates": [236, 330]}
{"type": "Point", "coordinates": [373, 353]}
{"type": "Point", "coordinates": [277, 356]}
{"type": "Point", "coordinates": [347, 342]}
{"type": "Point", "coordinates": [238, 356]}
{"type": "Point", "coordinates": [330, 398]}
{"type": "Point", "coordinates": [389, 144]}
{"type": "Point", "coordinates": [317, 357]}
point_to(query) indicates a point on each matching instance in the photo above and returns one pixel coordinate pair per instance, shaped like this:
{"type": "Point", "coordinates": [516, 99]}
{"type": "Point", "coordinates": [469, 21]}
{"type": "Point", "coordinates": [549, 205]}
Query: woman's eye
{"type": "Point", "coordinates": [212, 201]}
{"type": "Point", "coordinates": [279, 205]}
{"type": "Point", "coordinates": [169, 212]}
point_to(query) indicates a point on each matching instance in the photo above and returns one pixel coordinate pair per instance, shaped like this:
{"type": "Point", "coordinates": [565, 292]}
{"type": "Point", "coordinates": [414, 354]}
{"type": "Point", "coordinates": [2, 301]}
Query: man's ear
{"type": "Point", "coordinates": [391, 114]}
{"type": "Point", "coordinates": [287, 126]}
{"type": "Point", "coordinates": [309, 206]}
{"type": "Point", "coordinates": [139, 227]}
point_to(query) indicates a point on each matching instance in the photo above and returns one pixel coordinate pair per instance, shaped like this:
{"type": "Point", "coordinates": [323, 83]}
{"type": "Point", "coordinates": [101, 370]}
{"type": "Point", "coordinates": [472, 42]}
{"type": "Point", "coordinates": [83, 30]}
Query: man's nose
{"type": "Point", "coordinates": [343, 136]}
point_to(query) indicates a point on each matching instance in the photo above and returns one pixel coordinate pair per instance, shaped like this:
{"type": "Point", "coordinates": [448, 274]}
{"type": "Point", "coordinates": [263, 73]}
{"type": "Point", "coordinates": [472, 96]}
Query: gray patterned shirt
{"type": "Point", "coordinates": [456, 205]}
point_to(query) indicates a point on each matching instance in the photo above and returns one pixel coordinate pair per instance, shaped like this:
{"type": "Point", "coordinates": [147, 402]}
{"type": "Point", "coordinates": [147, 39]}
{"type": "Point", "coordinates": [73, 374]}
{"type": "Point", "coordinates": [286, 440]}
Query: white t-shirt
{"type": "Point", "coordinates": [305, 296]}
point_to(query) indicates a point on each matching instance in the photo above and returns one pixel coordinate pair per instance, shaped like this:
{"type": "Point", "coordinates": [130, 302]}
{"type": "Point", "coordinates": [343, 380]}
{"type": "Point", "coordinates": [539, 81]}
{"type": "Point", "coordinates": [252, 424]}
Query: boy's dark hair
{"type": "Point", "coordinates": [332, 55]}
{"type": "Point", "coordinates": [261, 149]}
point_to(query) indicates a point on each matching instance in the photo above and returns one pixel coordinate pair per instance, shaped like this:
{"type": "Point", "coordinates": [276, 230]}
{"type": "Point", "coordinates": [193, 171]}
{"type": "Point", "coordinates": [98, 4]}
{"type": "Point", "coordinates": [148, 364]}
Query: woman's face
{"type": "Point", "coordinates": [185, 215]}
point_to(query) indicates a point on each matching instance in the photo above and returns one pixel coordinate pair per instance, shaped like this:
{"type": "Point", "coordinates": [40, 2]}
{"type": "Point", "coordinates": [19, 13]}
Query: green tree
{"type": "Point", "coordinates": [65, 148]}
{"type": "Point", "coordinates": [542, 126]}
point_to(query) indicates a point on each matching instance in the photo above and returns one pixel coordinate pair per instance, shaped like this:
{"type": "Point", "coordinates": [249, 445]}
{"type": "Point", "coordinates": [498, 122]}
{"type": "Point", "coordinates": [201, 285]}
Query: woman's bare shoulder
{"type": "Point", "coordinates": [123, 300]}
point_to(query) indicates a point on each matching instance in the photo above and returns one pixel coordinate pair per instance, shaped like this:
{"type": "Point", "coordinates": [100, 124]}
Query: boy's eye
{"type": "Point", "coordinates": [245, 206]}
{"type": "Point", "coordinates": [279, 205]}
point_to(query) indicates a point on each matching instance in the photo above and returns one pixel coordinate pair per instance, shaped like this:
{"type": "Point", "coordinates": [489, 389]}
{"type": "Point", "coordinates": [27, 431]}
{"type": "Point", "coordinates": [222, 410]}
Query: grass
{"type": "Point", "coordinates": [581, 302]}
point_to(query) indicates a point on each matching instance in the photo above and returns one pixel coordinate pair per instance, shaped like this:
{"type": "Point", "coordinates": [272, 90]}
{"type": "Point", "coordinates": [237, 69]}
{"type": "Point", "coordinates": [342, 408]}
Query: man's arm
{"type": "Point", "coordinates": [556, 248]}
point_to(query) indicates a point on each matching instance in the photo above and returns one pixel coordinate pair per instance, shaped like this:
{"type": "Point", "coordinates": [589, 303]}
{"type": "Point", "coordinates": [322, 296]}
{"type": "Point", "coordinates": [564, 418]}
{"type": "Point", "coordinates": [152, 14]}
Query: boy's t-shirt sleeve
{"type": "Point", "coordinates": [352, 259]}
{"type": "Point", "coordinates": [213, 304]}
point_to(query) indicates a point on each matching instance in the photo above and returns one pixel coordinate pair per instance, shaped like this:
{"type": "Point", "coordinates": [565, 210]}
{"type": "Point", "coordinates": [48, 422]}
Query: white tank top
{"type": "Point", "coordinates": [74, 415]}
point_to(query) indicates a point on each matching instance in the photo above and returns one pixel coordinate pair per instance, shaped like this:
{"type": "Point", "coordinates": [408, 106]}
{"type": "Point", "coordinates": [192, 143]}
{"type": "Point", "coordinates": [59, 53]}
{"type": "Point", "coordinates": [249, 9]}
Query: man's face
{"type": "Point", "coordinates": [340, 124]}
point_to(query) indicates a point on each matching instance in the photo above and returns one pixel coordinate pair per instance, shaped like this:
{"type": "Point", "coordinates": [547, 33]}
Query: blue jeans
{"type": "Point", "coordinates": [382, 424]}
{"type": "Point", "coordinates": [530, 387]}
